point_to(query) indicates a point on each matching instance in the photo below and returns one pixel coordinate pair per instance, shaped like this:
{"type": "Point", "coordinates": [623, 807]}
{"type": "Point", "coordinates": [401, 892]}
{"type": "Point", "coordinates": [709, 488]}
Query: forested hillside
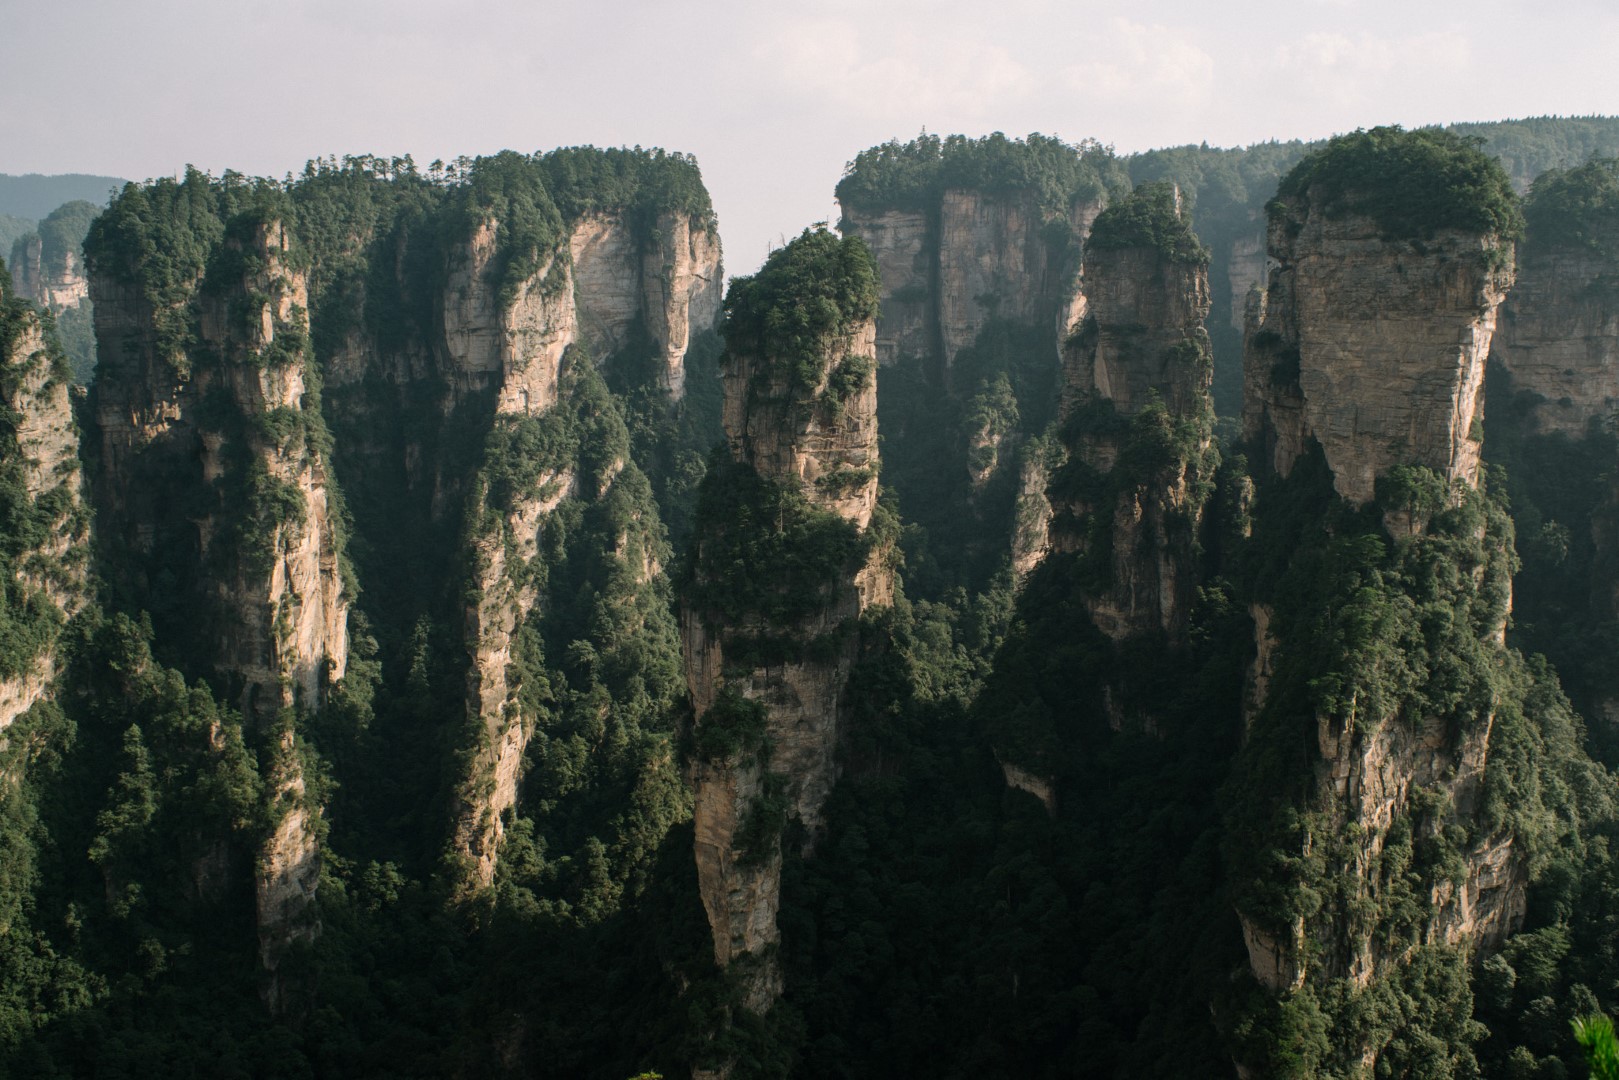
{"type": "Point", "coordinates": [454, 634]}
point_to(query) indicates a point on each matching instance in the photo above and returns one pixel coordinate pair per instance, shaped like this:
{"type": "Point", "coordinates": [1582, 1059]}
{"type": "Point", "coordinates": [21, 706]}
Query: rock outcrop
{"type": "Point", "coordinates": [666, 284]}
{"type": "Point", "coordinates": [58, 282]}
{"type": "Point", "coordinates": [603, 286]}
{"type": "Point", "coordinates": [39, 463]}
{"type": "Point", "coordinates": [226, 409]}
{"type": "Point", "coordinates": [1372, 346]}
{"type": "Point", "coordinates": [976, 257]}
{"type": "Point", "coordinates": [767, 662]}
{"type": "Point", "coordinates": [1139, 419]}
{"type": "Point", "coordinates": [1364, 367]}
{"type": "Point", "coordinates": [1559, 334]}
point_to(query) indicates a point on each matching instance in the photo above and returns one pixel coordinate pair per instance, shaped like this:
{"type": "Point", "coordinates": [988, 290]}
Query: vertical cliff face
{"type": "Point", "coordinates": [40, 486]}
{"type": "Point", "coordinates": [47, 266]}
{"type": "Point", "coordinates": [976, 257]}
{"type": "Point", "coordinates": [1554, 387]}
{"type": "Point", "coordinates": [1381, 851]}
{"type": "Point", "coordinates": [512, 352]}
{"type": "Point", "coordinates": [1559, 335]}
{"type": "Point", "coordinates": [786, 560]}
{"type": "Point", "coordinates": [904, 247]}
{"type": "Point", "coordinates": [978, 246]}
{"type": "Point", "coordinates": [1400, 326]}
{"type": "Point", "coordinates": [665, 282]}
{"type": "Point", "coordinates": [1139, 418]}
{"type": "Point", "coordinates": [997, 261]}
{"type": "Point", "coordinates": [214, 488]}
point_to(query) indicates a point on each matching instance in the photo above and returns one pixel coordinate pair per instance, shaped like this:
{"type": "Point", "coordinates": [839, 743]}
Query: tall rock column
{"type": "Point", "coordinates": [40, 489]}
{"type": "Point", "coordinates": [785, 561]}
{"type": "Point", "coordinates": [1364, 845]}
{"type": "Point", "coordinates": [1138, 416]}
{"type": "Point", "coordinates": [214, 484]}
{"type": "Point", "coordinates": [1370, 342]}
{"type": "Point", "coordinates": [514, 350]}
{"type": "Point", "coordinates": [1554, 389]}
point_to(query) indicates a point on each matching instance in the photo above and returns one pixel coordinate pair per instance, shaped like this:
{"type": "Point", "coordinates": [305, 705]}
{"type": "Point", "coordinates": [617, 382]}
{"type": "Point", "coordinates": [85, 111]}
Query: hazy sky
{"type": "Point", "coordinates": [772, 98]}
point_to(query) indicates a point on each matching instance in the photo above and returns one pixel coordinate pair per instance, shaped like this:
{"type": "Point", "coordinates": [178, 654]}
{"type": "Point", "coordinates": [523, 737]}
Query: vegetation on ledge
{"type": "Point", "coordinates": [808, 296]}
{"type": "Point", "coordinates": [912, 175]}
{"type": "Point", "coordinates": [1149, 217]}
{"type": "Point", "coordinates": [1412, 183]}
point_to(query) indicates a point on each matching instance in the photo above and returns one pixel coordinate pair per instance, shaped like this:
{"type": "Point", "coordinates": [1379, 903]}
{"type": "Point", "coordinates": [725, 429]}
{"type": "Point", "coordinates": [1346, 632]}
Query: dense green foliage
{"type": "Point", "coordinates": [946, 923]}
{"type": "Point", "coordinates": [913, 175]}
{"type": "Point", "coordinates": [1148, 217]}
{"type": "Point", "coordinates": [29, 524]}
{"type": "Point", "coordinates": [1412, 183]}
{"type": "Point", "coordinates": [1576, 207]}
{"type": "Point", "coordinates": [806, 298]}
{"type": "Point", "coordinates": [1528, 147]}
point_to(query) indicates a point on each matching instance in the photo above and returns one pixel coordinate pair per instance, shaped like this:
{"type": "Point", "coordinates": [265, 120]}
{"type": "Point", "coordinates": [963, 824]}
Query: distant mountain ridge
{"type": "Point", "coordinates": [34, 195]}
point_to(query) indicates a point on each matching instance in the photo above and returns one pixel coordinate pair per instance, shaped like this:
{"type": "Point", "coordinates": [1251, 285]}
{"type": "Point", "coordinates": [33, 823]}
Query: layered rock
{"type": "Point", "coordinates": [40, 460]}
{"type": "Point", "coordinates": [1137, 373]}
{"type": "Point", "coordinates": [57, 283]}
{"type": "Point", "coordinates": [512, 353]}
{"type": "Point", "coordinates": [1558, 342]}
{"type": "Point", "coordinates": [1363, 381]}
{"type": "Point", "coordinates": [665, 284]}
{"type": "Point", "coordinates": [767, 675]}
{"type": "Point", "coordinates": [47, 267]}
{"type": "Point", "coordinates": [1371, 345]}
{"type": "Point", "coordinates": [227, 408]}
{"type": "Point", "coordinates": [974, 258]}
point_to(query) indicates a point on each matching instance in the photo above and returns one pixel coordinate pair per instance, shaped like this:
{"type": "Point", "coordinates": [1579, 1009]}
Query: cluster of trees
{"type": "Point", "coordinates": [947, 922]}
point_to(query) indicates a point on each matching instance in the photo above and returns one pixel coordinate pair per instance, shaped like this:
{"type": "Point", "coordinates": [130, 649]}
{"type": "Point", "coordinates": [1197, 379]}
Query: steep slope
{"type": "Point", "coordinates": [1554, 386]}
{"type": "Point", "coordinates": [213, 488]}
{"type": "Point", "coordinates": [786, 560]}
{"type": "Point", "coordinates": [1139, 420]}
{"type": "Point", "coordinates": [47, 266]}
{"type": "Point", "coordinates": [47, 540]}
{"type": "Point", "coordinates": [1372, 827]}
{"type": "Point", "coordinates": [978, 246]}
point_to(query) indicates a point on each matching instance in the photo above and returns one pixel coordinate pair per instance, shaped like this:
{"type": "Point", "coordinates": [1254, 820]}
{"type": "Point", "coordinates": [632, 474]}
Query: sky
{"type": "Point", "coordinates": [772, 99]}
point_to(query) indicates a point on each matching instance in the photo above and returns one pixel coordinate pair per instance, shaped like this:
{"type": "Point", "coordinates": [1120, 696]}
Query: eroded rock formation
{"type": "Point", "coordinates": [949, 271]}
{"type": "Point", "coordinates": [767, 657]}
{"type": "Point", "coordinates": [39, 464]}
{"type": "Point", "coordinates": [1364, 368]}
{"type": "Point", "coordinates": [258, 561]}
{"type": "Point", "coordinates": [1372, 346]}
{"type": "Point", "coordinates": [1139, 420]}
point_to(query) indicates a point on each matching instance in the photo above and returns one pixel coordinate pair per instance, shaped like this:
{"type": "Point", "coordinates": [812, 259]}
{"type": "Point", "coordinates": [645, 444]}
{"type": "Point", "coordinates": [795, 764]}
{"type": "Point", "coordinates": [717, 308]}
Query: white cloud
{"type": "Point", "coordinates": [1144, 65]}
{"type": "Point", "coordinates": [1329, 68]}
{"type": "Point", "coordinates": [863, 68]}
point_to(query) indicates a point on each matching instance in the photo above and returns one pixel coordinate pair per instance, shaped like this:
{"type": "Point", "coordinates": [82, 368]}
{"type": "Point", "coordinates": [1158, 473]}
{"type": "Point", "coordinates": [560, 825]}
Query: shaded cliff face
{"type": "Point", "coordinates": [57, 283]}
{"type": "Point", "coordinates": [975, 258]}
{"type": "Point", "coordinates": [47, 545]}
{"type": "Point", "coordinates": [228, 410]}
{"type": "Point", "coordinates": [767, 659]}
{"type": "Point", "coordinates": [1139, 419]}
{"type": "Point", "coordinates": [1553, 391]}
{"type": "Point", "coordinates": [225, 405]}
{"type": "Point", "coordinates": [1381, 686]}
{"type": "Point", "coordinates": [978, 246]}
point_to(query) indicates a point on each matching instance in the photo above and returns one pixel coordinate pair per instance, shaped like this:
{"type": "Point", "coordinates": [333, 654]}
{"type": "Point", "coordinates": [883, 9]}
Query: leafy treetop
{"type": "Point", "coordinates": [1576, 207]}
{"type": "Point", "coordinates": [1412, 183]}
{"type": "Point", "coordinates": [912, 175]}
{"type": "Point", "coordinates": [1149, 217]}
{"type": "Point", "coordinates": [808, 294]}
